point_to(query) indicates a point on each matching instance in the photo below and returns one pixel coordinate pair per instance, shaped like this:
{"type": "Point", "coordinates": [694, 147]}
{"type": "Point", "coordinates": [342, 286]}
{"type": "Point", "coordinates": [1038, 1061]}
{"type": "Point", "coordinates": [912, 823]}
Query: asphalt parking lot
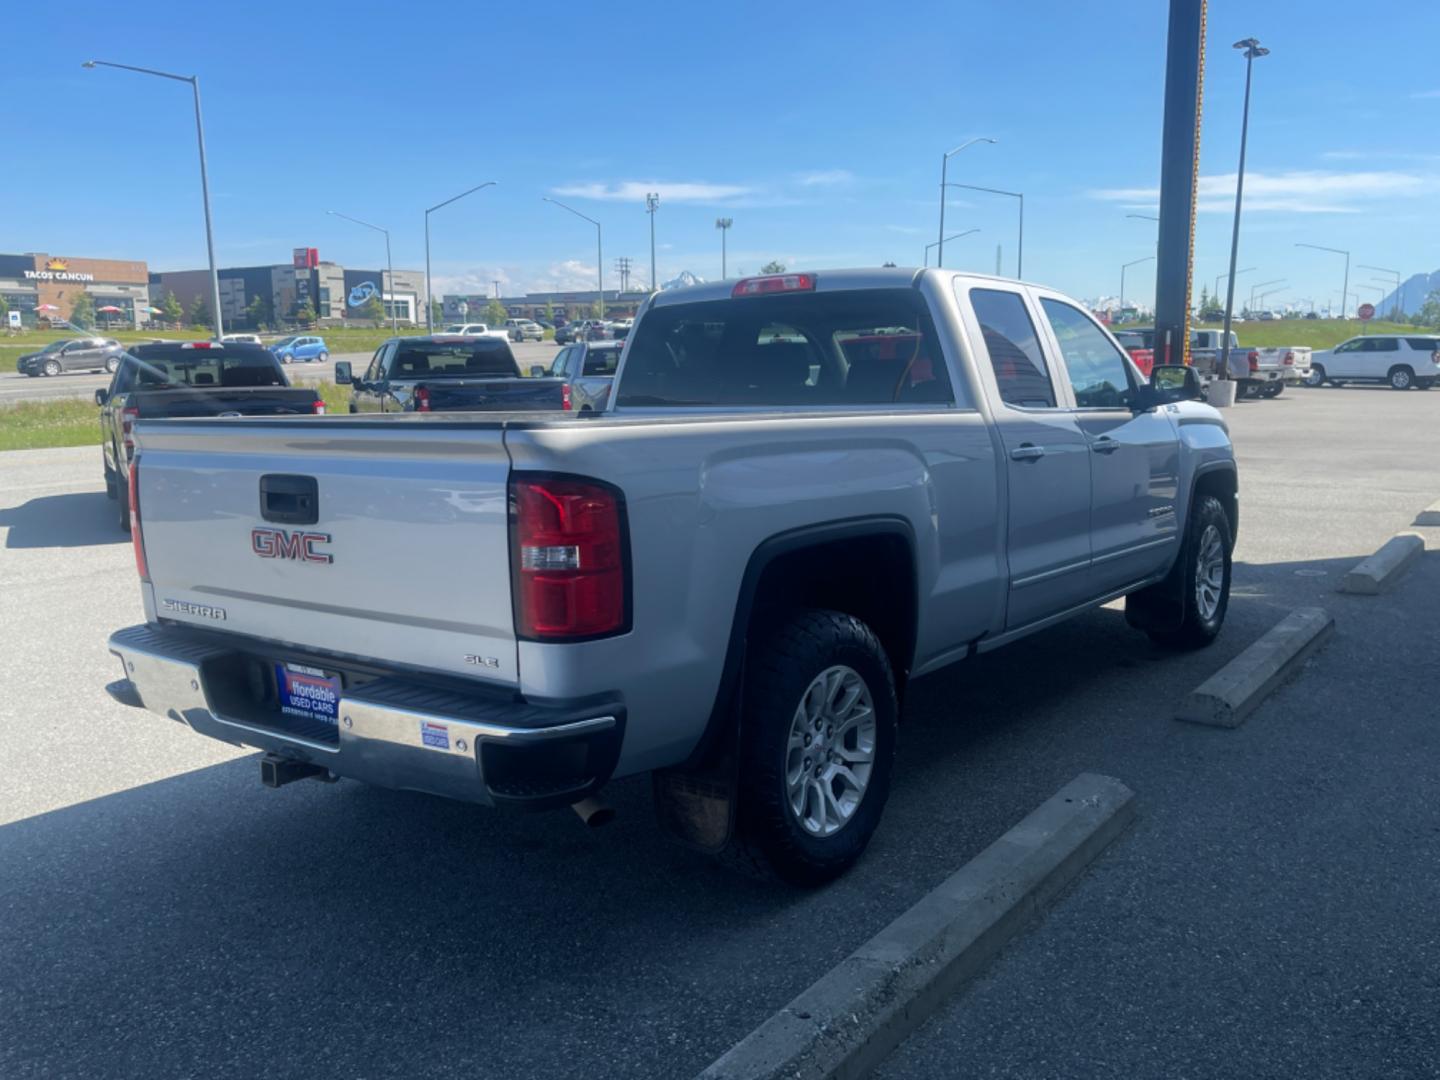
{"type": "Point", "coordinates": [15, 387]}
{"type": "Point", "coordinates": [1271, 913]}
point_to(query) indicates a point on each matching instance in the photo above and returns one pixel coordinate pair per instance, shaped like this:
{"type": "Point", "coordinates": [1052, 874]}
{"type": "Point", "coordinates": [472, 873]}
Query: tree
{"type": "Point", "coordinates": [4, 309]}
{"type": "Point", "coordinates": [437, 311]}
{"type": "Point", "coordinates": [774, 266]}
{"type": "Point", "coordinates": [258, 312]}
{"type": "Point", "coordinates": [550, 311]}
{"type": "Point", "coordinates": [1429, 313]}
{"type": "Point", "coordinates": [305, 313]}
{"type": "Point", "coordinates": [495, 313]}
{"type": "Point", "coordinates": [373, 309]}
{"type": "Point", "coordinates": [596, 311]}
{"type": "Point", "coordinates": [199, 312]}
{"type": "Point", "coordinates": [82, 309]}
{"type": "Point", "coordinates": [171, 309]}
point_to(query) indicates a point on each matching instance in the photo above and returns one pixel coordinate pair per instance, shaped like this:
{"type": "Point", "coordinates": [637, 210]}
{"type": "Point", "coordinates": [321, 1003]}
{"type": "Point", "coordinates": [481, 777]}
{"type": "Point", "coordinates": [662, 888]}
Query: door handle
{"type": "Point", "coordinates": [1104, 445]}
{"type": "Point", "coordinates": [1027, 452]}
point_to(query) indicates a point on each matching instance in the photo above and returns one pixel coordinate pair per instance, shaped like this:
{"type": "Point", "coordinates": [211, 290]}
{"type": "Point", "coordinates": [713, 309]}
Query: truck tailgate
{"type": "Point", "coordinates": [404, 559]}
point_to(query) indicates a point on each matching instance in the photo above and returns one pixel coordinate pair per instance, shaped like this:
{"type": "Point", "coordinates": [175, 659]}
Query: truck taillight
{"type": "Point", "coordinates": [569, 558]}
{"type": "Point", "coordinates": [318, 407]}
{"type": "Point", "coordinates": [1254, 360]}
{"type": "Point", "coordinates": [137, 540]}
{"type": "Point", "coordinates": [422, 399]}
{"type": "Point", "coordinates": [1290, 358]}
{"type": "Point", "coordinates": [773, 283]}
{"type": "Point", "coordinates": [128, 416]}
{"type": "Point", "coordinates": [565, 396]}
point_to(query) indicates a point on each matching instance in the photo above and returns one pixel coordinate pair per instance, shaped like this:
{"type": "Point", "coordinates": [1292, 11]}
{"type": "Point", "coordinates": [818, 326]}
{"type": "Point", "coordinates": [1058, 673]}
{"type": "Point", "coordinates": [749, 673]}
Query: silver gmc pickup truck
{"type": "Point", "coordinates": [805, 491]}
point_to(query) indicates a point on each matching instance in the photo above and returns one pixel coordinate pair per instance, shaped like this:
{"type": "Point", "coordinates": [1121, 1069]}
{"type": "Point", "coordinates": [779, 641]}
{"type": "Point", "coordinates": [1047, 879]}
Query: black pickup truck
{"type": "Point", "coordinates": [183, 380]}
{"type": "Point", "coordinates": [448, 373]}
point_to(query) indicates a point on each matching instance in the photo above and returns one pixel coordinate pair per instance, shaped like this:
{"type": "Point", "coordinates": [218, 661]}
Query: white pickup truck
{"type": "Point", "coordinates": [476, 329]}
{"type": "Point", "coordinates": [805, 491]}
{"type": "Point", "coordinates": [1259, 372]}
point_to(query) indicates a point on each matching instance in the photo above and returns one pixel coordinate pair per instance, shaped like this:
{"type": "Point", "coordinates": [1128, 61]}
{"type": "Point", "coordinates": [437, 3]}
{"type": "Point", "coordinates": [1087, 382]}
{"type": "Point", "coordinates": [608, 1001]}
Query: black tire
{"type": "Point", "coordinates": [1316, 378]}
{"type": "Point", "coordinates": [112, 364]}
{"type": "Point", "coordinates": [52, 367]}
{"type": "Point", "coordinates": [112, 485]}
{"type": "Point", "coordinates": [323, 357]}
{"type": "Point", "coordinates": [122, 497]}
{"type": "Point", "coordinates": [786, 658]}
{"type": "Point", "coordinates": [1400, 377]}
{"type": "Point", "coordinates": [1195, 629]}
{"type": "Point", "coordinates": [1273, 390]}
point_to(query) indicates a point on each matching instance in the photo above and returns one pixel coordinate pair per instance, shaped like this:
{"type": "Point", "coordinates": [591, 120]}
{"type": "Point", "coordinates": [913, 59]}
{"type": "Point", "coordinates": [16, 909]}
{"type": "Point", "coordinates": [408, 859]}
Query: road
{"type": "Point", "coordinates": [1270, 914]}
{"type": "Point", "coordinates": [15, 387]}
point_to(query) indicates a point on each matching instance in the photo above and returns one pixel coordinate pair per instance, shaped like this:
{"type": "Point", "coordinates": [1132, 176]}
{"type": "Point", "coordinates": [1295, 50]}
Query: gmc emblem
{"type": "Point", "coordinates": [281, 544]}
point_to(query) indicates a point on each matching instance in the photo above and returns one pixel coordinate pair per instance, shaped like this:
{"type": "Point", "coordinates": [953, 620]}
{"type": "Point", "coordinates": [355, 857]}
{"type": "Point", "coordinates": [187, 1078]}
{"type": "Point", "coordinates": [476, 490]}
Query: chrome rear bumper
{"type": "Point", "coordinates": [392, 732]}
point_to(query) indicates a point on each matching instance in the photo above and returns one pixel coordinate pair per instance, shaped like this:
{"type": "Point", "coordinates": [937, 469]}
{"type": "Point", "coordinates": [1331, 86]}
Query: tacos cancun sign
{"type": "Point", "coordinates": [58, 270]}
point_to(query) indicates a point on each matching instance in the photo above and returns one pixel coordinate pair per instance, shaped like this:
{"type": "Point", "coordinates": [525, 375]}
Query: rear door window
{"type": "Point", "coordinates": [857, 347]}
{"type": "Point", "coordinates": [601, 361]}
{"type": "Point", "coordinates": [1380, 344]}
{"type": "Point", "coordinates": [1014, 348]}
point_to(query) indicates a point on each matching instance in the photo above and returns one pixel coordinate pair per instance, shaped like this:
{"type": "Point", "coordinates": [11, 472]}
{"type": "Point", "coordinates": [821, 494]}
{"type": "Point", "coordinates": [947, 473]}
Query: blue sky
{"type": "Point", "coordinates": [817, 127]}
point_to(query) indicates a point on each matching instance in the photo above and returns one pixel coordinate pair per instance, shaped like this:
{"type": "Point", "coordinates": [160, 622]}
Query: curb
{"type": "Point", "coordinates": [1380, 571]}
{"type": "Point", "coordinates": [1430, 515]}
{"type": "Point", "coordinates": [1233, 693]}
{"type": "Point", "coordinates": [848, 1021]}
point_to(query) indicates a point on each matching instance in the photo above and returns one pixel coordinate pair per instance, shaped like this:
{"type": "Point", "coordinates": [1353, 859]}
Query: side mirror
{"type": "Point", "coordinates": [1170, 383]}
{"type": "Point", "coordinates": [101, 396]}
{"type": "Point", "coordinates": [343, 376]}
{"type": "Point", "coordinates": [537, 371]}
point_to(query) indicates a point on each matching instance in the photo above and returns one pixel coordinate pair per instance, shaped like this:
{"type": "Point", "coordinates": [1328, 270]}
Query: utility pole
{"type": "Point", "coordinates": [723, 224]}
{"type": "Point", "coordinates": [1253, 50]}
{"type": "Point", "coordinates": [623, 265]}
{"type": "Point", "coordinates": [652, 203]}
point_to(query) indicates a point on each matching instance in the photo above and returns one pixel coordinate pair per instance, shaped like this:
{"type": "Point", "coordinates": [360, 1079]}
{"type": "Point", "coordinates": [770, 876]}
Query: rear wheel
{"type": "Point", "coordinates": [1401, 377]}
{"type": "Point", "coordinates": [111, 363]}
{"type": "Point", "coordinates": [323, 357]}
{"type": "Point", "coordinates": [1273, 390]}
{"type": "Point", "coordinates": [817, 747]}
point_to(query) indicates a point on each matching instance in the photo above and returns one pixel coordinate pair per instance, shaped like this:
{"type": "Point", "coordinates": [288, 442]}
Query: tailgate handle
{"type": "Point", "coordinates": [289, 500]}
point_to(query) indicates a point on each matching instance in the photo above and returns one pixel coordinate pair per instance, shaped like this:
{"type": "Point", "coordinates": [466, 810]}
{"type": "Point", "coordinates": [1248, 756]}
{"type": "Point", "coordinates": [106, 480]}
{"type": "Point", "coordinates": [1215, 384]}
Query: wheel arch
{"type": "Point", "coordinates": [1221, 480]}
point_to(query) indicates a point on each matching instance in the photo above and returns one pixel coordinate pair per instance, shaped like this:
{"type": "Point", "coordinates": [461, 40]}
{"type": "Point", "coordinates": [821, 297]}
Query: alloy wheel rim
{"type": "Point", "coordinates": [1400, 378]}
{"type": "Point", "coordinates": [1209, 573]}
{"type": "Point", "coordinates": [830, 752]}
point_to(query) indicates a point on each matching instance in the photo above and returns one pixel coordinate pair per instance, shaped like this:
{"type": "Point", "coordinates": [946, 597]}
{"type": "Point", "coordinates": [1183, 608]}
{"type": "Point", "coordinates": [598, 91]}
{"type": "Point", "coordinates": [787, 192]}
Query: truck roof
{"type": "Point", "coordinates": [876, 277]}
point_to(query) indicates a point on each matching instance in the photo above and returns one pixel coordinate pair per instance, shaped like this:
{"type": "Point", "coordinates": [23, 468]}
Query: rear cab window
{"type": "Point", "coordinates": [162, 367]}
{"type": "Point", "coordinates": [1014, 348]}
{"type": "Point", "coordinates": [844, 348]}
{"type": "Point", "coordinates": [461, 359]}
{"type": "Point", "coordinates": [601, 362]}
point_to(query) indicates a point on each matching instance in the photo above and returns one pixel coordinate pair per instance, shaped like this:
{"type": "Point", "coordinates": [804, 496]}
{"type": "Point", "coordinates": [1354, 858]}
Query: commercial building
{"type": "Point", "coordinates": [566, 305]}
{"type": "Point", "coordinates": [335, 294]}
{"type": "Point", "coordinates": [41, 286]}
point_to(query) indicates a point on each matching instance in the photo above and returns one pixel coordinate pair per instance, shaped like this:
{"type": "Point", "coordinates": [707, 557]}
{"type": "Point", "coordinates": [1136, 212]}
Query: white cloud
{"type": "Point", "coordinates": [825, 178]}
{"type": "Point", "coordinates": [567, 275]}
{"type": "Point", "coordinates": [1298, 192]}
{"type": "Point", "coordinates": [908, 230]}
{"type": "Point", "coordinates": [636, 190]}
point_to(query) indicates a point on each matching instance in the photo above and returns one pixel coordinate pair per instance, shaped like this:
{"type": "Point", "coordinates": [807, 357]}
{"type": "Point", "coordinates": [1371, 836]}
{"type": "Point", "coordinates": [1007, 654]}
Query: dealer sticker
{"type": "Point", "coordinates": [308, 693]}
{"type": "Point", "coordinates": [436, 735]}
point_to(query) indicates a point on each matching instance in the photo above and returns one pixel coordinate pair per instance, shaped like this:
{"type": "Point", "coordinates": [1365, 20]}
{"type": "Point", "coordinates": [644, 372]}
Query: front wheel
{"type": "Point", "coordinates": [52, 367]}
{"type": "Point", "coordinates": [1316, 376]}
{"type": "Point", "coordinates": [817, 746]}
{"type": "Point", "coordinates": [1401, 378]}
{"type": "Point", "coordinates": [285, 358]}
{"type": "Point", "coordinates": [1204, 595]}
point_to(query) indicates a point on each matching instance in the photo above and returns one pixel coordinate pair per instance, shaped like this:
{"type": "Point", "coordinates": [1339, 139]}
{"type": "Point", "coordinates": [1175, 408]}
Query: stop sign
{"type": "Point", "coordinates": [1366, 312]}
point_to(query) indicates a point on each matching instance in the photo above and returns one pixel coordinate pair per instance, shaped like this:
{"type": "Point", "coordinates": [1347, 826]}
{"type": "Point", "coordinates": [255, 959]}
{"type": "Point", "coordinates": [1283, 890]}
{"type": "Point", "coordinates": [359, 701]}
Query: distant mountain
{"type": "Point", "coordinates": [684, 278]}
{"type": "Point", "coordinates": [1412, 293]}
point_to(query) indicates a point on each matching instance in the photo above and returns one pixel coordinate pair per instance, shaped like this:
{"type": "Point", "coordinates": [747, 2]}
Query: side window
{"type": "Point", "coordinates": [562, 362]}
{"type": "Point", "coordinates": [1014, 348]}
{"type": "Point", "coordinates": [1386, 344]}
{"type": "Point", "coordinates": [601, 362]}
{"type": "Point", "coordinates": [1349, 346]}
{"type": "Point", "coordinates": [372, 373]}
{"type": "Point", "coordinates": [1424, 344]}
{"type": "Point", "coordinates": [1098, 372]}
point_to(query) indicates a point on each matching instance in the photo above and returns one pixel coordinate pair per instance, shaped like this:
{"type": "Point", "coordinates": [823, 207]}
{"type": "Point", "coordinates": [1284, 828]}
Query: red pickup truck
{"type": "Point", "coordinates": [1137, 344]}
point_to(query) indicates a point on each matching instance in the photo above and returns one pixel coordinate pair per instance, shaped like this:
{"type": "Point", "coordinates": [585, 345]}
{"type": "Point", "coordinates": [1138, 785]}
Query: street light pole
{"type": "Point", "coordinates": [1385, 270]}
{"type": "Point", "coordinates": [1252, 49]}
{"type": "Point", "coordinates": [955, 236]}
{"type": "Point", "coordinates": [194, 81]}
{"type": "Point", "coordinates": [599, 250]}
{"type": "Point", "coordinates": [429, 303]}
{"type": "Point", "coordinates": [1344, 292]}
{"type": "Point", "coordinates": [1123, 268]}
{"type": "Point", "coordinates": [389, 263]}
{"type": "Point", "coordinates": [1254, 288]}
{"type": "Point", "coordinates": [652, 203]}
{"type": "Point", "coordinates": [1219, 277]}
{"type": "Point", "coordinates": [1020, 250]}
{"type": "Point", "coordinates": [723, 224]}
{"type": "Point", "coordinates": [944, 164]}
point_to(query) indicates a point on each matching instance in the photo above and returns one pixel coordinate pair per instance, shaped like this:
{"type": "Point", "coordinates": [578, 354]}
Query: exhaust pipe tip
{"type": "Point", "coordinates": [593, 813]}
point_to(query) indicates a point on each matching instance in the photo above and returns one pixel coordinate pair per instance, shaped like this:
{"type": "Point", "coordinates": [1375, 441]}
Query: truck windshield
{"type": "Point", "coordinates": [461, 359]}
{"type": "Point", "coordinates": [860, 347]}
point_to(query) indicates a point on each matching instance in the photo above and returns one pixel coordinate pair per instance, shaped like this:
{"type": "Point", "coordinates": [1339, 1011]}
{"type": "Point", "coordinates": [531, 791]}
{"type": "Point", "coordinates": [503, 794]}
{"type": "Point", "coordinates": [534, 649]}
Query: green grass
{"type": "Point", "coordinates": [35, 425]}
{"type": "Point", "coordinates": [336, 398]}
{"type": "Point", "coordinates": [1315, 333]}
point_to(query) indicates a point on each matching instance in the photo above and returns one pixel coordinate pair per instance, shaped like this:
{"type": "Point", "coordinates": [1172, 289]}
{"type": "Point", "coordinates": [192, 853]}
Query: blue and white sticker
{"type": "Point", "coordinates": [436, 735]}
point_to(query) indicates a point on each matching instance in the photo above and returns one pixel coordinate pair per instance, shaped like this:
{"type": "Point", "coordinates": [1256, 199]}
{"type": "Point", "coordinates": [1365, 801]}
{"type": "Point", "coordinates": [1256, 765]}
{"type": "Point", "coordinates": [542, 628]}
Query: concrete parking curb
{"type": "Point", "coordinates": [1430, 515]}
{"type": "Point", "coordinates": [1233, 693]}
{"type": "Point", "coordinates": [1380, 571]}
{"type": "Point", "coordinates": [847, 1022]}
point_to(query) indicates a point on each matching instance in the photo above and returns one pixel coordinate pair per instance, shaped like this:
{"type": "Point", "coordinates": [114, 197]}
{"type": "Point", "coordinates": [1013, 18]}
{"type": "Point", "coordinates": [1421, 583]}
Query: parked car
{"type": "Point", "coordinates": [588, 369]}
{"type": "Point", "coordinates": [242, 339]}
{"type": "Point", "coordinates": [477, 329]}
{"type": "Point", "coordinates": [75, 354]}
{"type": "Point", "coordinates": [175, 380]}
{"type": "Point", "coordinates": [620, 328]}
{"type": "Point", "coordinates": [447, 373]}
{"type": "Point", "coordinates": [583, 330]}
{"type": "Point", "coordinates": [785, 527]}
{"type": "Point", "coordinates": [1401, 360]}
{"type": "Point", "coordinates": [524, 330]}
{"type": "Point", "coordinates": [300, 348]}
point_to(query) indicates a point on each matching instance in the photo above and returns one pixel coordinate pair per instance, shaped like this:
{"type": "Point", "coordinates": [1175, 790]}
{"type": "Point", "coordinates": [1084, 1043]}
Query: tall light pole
{"type": "Point", "coordinates": [429, 304]}
{"type": "Point", "coordinates": [1143, 217]}
{"type": "Point", "coordinates": [1123, 268]}
{"type": "Point", "coordinates": [394, 317]}
{"type": "Point", "coordinates": [1252, 49]}
{"type": "Point", "coordinates": [599, 252]}
{"type": "Point", "coordinates": [723, 224]}
{"type": "Point", "coordinates": [1386, 270]}
{"type": "Point", "coordinates": [1345, 291]}
{"type": "Point", "coordinates": [1219, 277]}
{"type": "Point", "coordinates": [1254, 288]}
{"type": "Point", "coordinates": [953, 236]}
{"type": "Point", "coordinates": [194, 81]}
{"type": "Point", "coordinates": [1020, 250]}
{"type": "Point", "coordinates": [652, 203]}
{"type": "Point", "coordinates": [944, 165]}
